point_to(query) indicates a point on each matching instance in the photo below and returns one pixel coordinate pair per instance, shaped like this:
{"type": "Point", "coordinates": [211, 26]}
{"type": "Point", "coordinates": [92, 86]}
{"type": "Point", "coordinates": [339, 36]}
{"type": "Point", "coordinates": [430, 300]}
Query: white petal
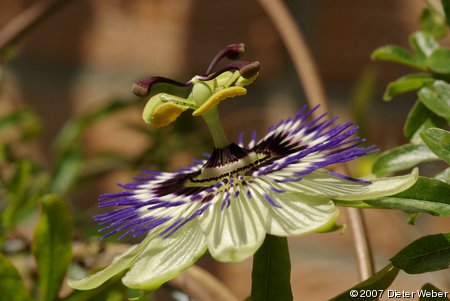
{"type": "Point", "coordinates": [299, 214]}
{"type": "Point", "coordinates": [118, 265]}
{"type": "Point", "coordinates": [383, 187]}
{"type": "Point", "coordinates": [235, 232]}
{"type": "Point", "coordinates": [163, 259]}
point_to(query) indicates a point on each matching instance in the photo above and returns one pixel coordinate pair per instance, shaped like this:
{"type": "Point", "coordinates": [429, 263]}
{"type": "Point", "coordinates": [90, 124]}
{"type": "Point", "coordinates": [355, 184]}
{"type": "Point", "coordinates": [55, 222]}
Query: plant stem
{"type": "Point", "coordinates": [202, 286]}
{"type": "Point", "coordinates": [27, 19]}
{"type": "Point", "coordinates": [361, 242]}
{"type": "Point", "coordinates": [212, 119]}
{"type": "Point", "coordinates": [307, 72]}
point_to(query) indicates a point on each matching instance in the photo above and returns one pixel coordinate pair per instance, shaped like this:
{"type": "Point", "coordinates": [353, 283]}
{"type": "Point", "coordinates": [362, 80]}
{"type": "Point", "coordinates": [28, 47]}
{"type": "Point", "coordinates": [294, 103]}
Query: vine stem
{"type": "Point", "coordinates": [299, 53]}
{"type": "Point", "coordinates": [305, 67]}
{"type": "Point", "coordinates": [202, 286]}
{"type": "Point", "coordinates": [27, 19]}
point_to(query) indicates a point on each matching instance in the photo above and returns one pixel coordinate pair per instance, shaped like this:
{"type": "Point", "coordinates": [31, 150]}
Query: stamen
{"type": "Point", "coordinates": [142, 87]}
{"type": "Point", "coordinates": [248, 68]}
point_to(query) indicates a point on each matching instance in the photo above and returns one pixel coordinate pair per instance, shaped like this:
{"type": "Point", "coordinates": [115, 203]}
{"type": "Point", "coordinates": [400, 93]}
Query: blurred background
{"type": "Point", "coordinates": [86, 54]}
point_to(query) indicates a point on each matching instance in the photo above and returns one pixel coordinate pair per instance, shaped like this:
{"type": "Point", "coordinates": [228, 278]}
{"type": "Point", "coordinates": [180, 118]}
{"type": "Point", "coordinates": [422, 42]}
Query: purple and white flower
{"type": "Point", "coordinates": [227, 202]}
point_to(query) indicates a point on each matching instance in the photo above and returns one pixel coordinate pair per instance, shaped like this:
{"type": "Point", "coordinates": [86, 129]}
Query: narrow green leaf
{"type": "Point", "coordinates": [11, 284]}
{"type": "Point", "coordinates": [272, 271]}
{"type": "Point", "coordinates": [423, 43]}
{"type": "Point", "coordinates": [438, 141]}
{"type": "Point", "coordinates": [16, 189]}
{"type": "Point", "coordinates": [446, 5]}
{"type": "Point", "coordinates": [362, 95]}
{"type": "Point", "coordinates": [52, 245]}
{"type": "Point", "coordinates": [372, 288]}
{"type": "Point", "coordinates": [439, 60]}
{"type": "Point", "coordinates": [432, 23]}
{"type": "Point", "coordinates": [426, 254]}
{"type": "Point", "coordinates": [416, 117]}
{"type": "Point", "coordinates": [426, 195]}
{"type": "Point", "coordinates": [399, 55]}
{"type": "Point", "coordinates": [401, 158]}
{"type": "Point", "coordinates": [407, 83]}
{"type": "Point", "coordinates": [66, 172]}
{"type": "Point", "coordinates": [431, 293]}
{"type": "Point", "coordinates": [419, 119]}
{"type": "Point", "coordinates": [436, 97]}
{"type": "Point", "coordinates": [74, 129]}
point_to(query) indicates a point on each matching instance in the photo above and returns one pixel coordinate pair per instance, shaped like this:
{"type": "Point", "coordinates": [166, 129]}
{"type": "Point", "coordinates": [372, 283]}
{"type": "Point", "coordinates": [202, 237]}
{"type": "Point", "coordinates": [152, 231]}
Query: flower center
{"type": "Point", "coordinates": [227, 162]}
{"type": "Point", "coordinates": [223, 165]}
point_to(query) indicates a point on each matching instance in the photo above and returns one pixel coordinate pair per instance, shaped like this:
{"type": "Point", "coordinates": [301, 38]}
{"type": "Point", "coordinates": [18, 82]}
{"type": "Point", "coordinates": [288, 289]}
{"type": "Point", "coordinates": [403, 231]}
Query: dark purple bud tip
{"type": "Point", "coordinates": [235, 51]}
{"type": "Point", "coordinates": [140, 90]}
{"type": "Point", "coordinates": [232, 52]}
{"type": "Point", "coordinates": [249, 70]}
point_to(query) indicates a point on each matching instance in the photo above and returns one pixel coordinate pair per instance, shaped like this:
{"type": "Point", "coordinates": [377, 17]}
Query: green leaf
{"type": "Point", "coordinates": [431, 293]}
{"type": "Point", "coordinates": [272, 271]}
{"type": "Point", "coordinates": [401, 158]}
{"type": "Point", "coordinates": [419, 119]}
{"type": "Point", "coordinates": [439, 60]}
{"type": "Point", "coordinates": [426, 254]}
{"type": "Point", "coordinates": [446, 5]}
{"type": "Point", "coordinates": [423, 43]}
{"type": "Point", "coordinates": [66, 172]}
{"type": "Point", "coordinates": [438, 141]}
{"type": "Point", "coordinates": [426, 195]}
{"type": "Point", "coordinates": [433, 23]}
{"type": "Point", "coordinates": [52, 245]}
{"type": "Point", "coordinates": [407, 83]}
{"type": "Point", "coordinates": [16, 189]}
{"type": "Point", "coordinates": [436, 97]}
{"type": "Point", "coordinates": [12, 286]}
{"type": "Point", "coordinates": [399, 55]}
{"type": "Point", "coordinates": [377, 284]}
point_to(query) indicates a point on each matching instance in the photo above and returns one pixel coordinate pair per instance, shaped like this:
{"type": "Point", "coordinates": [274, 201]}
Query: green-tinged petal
{"type": "Point", "coordinates": [298, 214]}
{"type": "Point", "coordinates": [383, 187]}
{"type": "Point", "coordinates": [322, 183]}
{"type": "Point", "coordinates": [236, 231]}
{"type": "Point", "coordinates": [163, 259]}
{"type": "Point", "coordinates": [118, 265]}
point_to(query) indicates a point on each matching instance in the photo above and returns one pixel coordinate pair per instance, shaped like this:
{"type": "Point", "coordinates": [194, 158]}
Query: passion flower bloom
{"type": "Point", "coordinates": [227, 202]}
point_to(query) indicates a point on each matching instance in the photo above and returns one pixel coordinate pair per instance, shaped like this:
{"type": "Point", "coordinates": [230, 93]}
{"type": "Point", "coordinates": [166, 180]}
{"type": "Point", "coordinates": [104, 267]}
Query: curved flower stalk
{"type": "Point", "coordinates": [227, 202]}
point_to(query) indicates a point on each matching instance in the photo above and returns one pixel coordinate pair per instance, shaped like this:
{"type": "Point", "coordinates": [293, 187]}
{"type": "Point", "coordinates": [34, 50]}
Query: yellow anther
{"type": "Point", "coordinates": [164, 114]}
{"type": "Point", "coordinates": [218, 97]}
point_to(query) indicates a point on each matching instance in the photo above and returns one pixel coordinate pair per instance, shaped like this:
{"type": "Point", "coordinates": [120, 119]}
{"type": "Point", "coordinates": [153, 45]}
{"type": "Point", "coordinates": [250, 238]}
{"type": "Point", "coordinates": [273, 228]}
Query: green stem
{"type": "Point", "coordinates": [272, 271]}
{"type": "Point", "coordinates": [212, 119]}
